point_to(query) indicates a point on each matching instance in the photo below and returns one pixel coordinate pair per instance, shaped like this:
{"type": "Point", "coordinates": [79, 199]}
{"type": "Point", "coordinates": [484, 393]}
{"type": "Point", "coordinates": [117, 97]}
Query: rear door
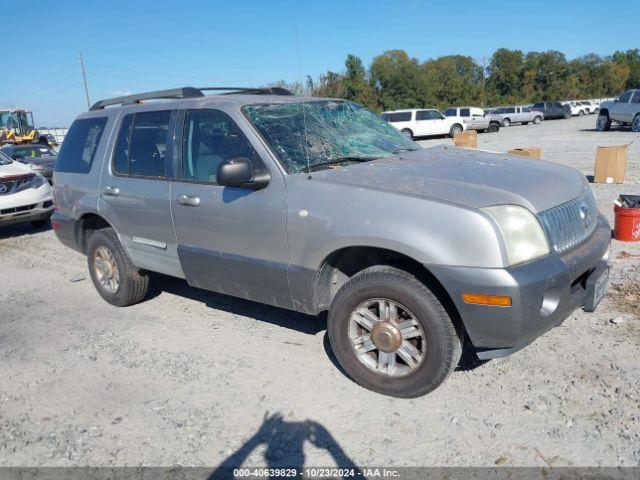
{"type": "Point", "coordinates": [230, 240]}
{"type": "Point", "coordinates": [430, 122]}
{"type": "Point", "coordinates": [134, 190]}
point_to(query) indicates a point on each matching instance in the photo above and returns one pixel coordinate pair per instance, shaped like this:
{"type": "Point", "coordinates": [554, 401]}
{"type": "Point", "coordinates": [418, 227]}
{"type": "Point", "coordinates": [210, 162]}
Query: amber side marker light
{"type": "Point", "coordinates": [493, 300]}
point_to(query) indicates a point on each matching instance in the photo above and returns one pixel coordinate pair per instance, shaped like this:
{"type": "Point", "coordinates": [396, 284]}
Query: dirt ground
{"type": "Point", "coordinates": [194, 378]}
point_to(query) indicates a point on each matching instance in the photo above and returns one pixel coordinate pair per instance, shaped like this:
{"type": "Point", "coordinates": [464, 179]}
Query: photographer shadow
{"type": "Point", "coordinates": [285, 442]}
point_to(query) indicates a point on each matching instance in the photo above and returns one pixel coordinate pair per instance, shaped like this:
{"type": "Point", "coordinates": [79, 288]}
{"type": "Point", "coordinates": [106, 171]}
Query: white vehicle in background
{"type": "Point", "coordinates": [25, 196]}
{"type": "Point", "coordinates": [424, 122]}
{"type": "Point", "coordinates": [590, 107]}
{"type": "Point", "coordinates": [577, 109]}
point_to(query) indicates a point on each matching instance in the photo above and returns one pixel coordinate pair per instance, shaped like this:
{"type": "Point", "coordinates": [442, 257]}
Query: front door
{"type": "Point", "coordinates": [429, 122]}
{"type": "Point", "coordinates": [230, 240]}
{"type": "Point", "coordinates": [134, 190]}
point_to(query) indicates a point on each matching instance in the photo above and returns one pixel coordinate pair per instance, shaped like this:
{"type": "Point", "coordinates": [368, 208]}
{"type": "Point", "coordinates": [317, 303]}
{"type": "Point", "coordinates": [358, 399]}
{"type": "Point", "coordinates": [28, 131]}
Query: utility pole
{"type": "Point", "coordinates": [84, 81]}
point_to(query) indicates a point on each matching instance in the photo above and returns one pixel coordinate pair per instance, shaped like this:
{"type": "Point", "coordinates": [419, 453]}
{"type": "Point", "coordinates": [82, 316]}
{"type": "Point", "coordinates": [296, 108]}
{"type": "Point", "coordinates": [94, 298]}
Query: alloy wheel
{"type": "Point", "coordinates": [106, 269]}
{"type": "Point", "coordinates": [386, 337]}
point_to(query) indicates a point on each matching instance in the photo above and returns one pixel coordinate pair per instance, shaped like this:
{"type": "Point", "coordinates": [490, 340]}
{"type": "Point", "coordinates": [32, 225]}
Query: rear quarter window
{"type": "Point", "coordinates": [80, 144]}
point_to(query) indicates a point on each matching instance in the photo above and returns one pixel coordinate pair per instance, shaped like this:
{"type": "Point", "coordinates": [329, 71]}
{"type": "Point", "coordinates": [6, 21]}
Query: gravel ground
{"type": "Point", "coordinates": [194, 378]}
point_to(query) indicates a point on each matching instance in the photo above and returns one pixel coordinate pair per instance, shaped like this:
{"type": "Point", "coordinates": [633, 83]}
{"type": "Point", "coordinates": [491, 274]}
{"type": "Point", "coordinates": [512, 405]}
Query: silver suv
{"type": "Point", "coordinates": [316, 204]}
{"type": "Point", "coordinates": [624, 110]}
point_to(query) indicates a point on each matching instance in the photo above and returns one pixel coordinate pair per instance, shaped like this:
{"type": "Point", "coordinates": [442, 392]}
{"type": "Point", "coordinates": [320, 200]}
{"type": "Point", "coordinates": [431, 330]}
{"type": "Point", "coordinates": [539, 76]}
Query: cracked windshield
{"type": "Point", "coordinates": [320, 134]}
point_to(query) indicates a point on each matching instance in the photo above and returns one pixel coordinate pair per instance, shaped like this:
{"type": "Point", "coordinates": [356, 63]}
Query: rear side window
{"type": "Point", "coordinates": [141, 146]}
{"type": "Point", "coordinates": [538, 105]}
{"type": "Point", "coordinates": [464, 112]}
{"type": "Point", "coordinates": [400, 117]}
{"type": "Point", "coordinates": [80, 145]}
{"type": "Point", "coordinates": [510, 110]}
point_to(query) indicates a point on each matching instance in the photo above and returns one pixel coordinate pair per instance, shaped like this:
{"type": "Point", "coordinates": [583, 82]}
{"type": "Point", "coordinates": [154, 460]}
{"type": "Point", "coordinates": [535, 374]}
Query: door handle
{"type": "Point", "coordinates": [189, 200]}
{"type": "Point", "coordinates": [111, 191]}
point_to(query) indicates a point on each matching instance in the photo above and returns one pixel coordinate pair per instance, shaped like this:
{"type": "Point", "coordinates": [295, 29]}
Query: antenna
{"type": "Point", "coordinates": [84, 81]}
{"type": "Point", "coordinates": [304, 115]}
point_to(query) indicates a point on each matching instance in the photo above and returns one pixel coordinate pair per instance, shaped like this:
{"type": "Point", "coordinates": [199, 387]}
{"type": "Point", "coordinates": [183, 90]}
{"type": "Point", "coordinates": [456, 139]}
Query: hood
{"type": "Point", "coordinates": [14, 168]}
{"type": "Point", "coordinates": [467, 177]}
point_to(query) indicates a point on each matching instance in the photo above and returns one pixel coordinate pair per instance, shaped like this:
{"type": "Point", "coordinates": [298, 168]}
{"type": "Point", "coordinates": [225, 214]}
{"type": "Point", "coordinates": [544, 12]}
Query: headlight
{"type": "Point", "coordinates": [35, 167]}
{"type": "Point", "coordinates": [522, 233]}
{"type": "Point", "coordinates": [36, 182]}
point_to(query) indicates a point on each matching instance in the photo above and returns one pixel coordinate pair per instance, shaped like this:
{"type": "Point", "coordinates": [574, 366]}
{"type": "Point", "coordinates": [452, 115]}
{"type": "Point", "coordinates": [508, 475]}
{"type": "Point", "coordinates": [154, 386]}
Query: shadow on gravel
{"type": "Point", "coordinates": [285, 444]}
{"type": "Point", "coordinates": [265, 313]}
{"type": "Point", "coordinates": [21, 229]}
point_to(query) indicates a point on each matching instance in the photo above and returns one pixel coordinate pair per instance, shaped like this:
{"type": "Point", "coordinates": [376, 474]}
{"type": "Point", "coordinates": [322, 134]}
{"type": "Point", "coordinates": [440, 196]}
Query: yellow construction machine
{"type": "Point", "coordinates": [16, 126]}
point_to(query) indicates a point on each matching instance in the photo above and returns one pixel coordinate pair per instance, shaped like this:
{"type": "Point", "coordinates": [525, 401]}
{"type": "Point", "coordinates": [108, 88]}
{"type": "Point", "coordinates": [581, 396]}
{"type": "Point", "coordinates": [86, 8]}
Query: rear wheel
{"type": "Point", "coordinates": [506, 122]}
{"type": "Point", "coordinates": [117, 280]}
{"type": "Point", "coordinates": [635, 124]}
{"type": "Point", "coordinates": [603, 122]}
{"type": "Point", "coordinates": [537, 119]}
{"type": "Point", "coordinates": [493, 127]}
{"type": "Point", "coordinates": [581, 113]}
{"type": "Point", "coordinates": [455, 129]}
{"type": "Point", "coordinates": [407, 132]}
{"type": "Point", "coordinates": [391, 334]}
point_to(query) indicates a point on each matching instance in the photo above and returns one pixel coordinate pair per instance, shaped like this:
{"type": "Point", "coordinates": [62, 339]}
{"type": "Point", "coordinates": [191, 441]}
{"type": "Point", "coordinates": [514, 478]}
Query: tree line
{"type": "Point", "coordinates": [395, 80]}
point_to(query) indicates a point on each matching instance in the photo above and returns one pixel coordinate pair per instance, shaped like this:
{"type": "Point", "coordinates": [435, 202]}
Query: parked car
{"type": "Point", "coordinates": [25, 196]}
{"type": "Point", "coordinates": [552, 110]}
{"type": "Point", "coordinates": [316, 204]}
{"type": "Point", "coordinates": [517, 114]}
{"type": "Point", "coordinates": [590, 107]}
{"type": "Point", "coordinates": [474, 118]}
{"type": "Point", "coordinates": [39, 158]}
{"type": "Point", "coordinates": [425, 122]}
{"type": "Point", "coordinates": [624, 110]}
{"type": "Point", "coordinates": [576, 108]}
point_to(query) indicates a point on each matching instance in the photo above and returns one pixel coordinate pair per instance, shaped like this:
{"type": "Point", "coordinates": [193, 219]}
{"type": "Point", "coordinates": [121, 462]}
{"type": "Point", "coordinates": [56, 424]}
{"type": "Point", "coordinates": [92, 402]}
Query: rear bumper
{"type": "Point", "coordinates": [65, 228]}
{"type": "Point", "coordinates": [544, 292]}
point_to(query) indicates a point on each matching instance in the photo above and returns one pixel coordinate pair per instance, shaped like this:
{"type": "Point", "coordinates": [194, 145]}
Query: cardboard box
{"type": "Point", "coordinates": [468, 138]}
{"type": "Point", "coordinates": [611, 164]}
{"type": "Point", "coordinates": [531, 152]}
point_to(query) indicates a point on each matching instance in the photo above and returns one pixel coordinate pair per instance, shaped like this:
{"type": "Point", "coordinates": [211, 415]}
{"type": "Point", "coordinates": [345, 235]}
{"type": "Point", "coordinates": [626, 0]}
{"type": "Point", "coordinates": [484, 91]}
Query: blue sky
{"type": "Point", "coordinates": [144, 45]}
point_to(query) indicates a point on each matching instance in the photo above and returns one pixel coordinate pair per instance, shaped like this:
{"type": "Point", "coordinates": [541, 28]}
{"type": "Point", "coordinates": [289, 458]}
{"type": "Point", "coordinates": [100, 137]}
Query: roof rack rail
{"type": "Point", "coordinates": [183, 92]}
{"type": "Point", "coordinates": [186, 92]}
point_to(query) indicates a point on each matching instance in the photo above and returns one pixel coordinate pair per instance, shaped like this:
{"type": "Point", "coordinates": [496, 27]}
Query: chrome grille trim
{"type": "Point", "coordinates": [570, 224]}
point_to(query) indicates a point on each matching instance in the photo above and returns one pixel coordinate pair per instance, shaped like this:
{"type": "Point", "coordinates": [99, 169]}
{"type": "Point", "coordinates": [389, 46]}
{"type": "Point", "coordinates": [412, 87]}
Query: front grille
{"type": "Point", "coordinates": [570, 224]}
{"type": "Point", "coordinates": [24, 208]}
{"type": "Point", "coordinates": [12, 184]}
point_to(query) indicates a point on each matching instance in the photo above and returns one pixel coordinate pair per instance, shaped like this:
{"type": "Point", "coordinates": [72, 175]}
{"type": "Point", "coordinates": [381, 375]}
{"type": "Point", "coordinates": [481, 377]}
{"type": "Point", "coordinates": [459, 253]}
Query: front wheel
{"type": "Point", "coordinates": [581, 113]}
{"type": "Point", "coordinates": [603, 122]}
{"type": "Point", "coordinates": [407, 132]}
{"type": "Point", "coordinates": [117, 280]}
{"type": "Point", "coordinates": [493, 127]}
{"type": "Point", "coordinates": [455, 129]}
{"type": "Point", "coordinates": [391, 334]}
{"type": "Point", "coordinates": [506, 122]}
{"type": "Point", "coordinates": [635, 124]}
{"type": "Point", "coordinates": [537, 119]}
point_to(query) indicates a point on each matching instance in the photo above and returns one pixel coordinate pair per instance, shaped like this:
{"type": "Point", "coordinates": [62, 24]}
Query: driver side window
{"type": "Point", "coordinates": [625, 97]}
{"type": "Point", "coordinates": [212, 138]}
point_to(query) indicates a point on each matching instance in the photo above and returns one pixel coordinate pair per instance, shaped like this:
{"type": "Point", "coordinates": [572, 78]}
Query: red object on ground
{"type": "Point", "coordinates": [627, 224]}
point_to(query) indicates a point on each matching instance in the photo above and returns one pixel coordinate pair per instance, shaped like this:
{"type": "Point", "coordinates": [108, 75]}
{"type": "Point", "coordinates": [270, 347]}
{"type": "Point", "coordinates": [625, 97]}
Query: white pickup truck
{"type": "Point", "coordinates": [624, 110]}
{"type": "Point", "coordinates": [424, 122]}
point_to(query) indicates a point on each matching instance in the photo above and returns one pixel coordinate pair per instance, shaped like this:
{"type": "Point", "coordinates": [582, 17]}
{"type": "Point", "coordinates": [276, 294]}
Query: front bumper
{"type": "Point", "coordinates": [544, 292]}
{"type": "Point", "coordinates": [26, 206]}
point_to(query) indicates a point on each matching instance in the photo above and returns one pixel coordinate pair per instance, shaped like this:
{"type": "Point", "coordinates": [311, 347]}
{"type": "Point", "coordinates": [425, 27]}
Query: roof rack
{"type": "Point", "coordinates": [186, 92]}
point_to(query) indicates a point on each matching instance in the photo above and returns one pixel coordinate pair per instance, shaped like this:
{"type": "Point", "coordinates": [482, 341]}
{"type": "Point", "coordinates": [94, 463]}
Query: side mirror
{"type": "Point", "coordinates": [239, 172]}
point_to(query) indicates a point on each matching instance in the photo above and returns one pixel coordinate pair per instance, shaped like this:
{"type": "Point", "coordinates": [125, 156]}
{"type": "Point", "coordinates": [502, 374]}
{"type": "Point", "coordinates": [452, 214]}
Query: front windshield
{"type": "Point", "coordinates": [4, 160]}
{"type": "Point", "coordinates": [306, 134]}
{"type": "Point", "coordinates": [32, 152]}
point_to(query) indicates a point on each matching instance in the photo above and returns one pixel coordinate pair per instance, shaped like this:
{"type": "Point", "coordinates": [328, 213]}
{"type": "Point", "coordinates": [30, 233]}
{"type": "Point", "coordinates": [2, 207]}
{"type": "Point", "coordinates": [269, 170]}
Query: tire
{"type": "Point", "coordinates": [581, 113]}
{"type": "Point", "coordinates": [567, 116]}
{"type": "Point", "coordinates": [603, 122]}
{"type": "Point", "coordinates": [506, 122]}
{"type": "Point", "coordinates": [441, 342]}
{"type": "Point", "coordinates": [537, 119]}
{"type": "Point", "coordinates": [635, 124]}
{"type": "Point", "coordinates": [493, 127]}
{"type": "Point", "coordinates": [407, 132]}
{"type": "Point", "coordinates": [132, 284]}
{"type": "Point", "coordinates": [455, 129]}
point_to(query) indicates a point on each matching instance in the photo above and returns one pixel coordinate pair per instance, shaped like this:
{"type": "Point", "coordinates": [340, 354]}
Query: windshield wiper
{"type": "Point", "coordinates": [339, 160]}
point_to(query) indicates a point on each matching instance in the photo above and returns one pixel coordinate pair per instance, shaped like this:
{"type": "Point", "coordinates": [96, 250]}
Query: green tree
{"type": "Point", "coordinates": [505, 76]}
{"type": "Point", "coordinates": [452, 80]}
{"type": "Point", "coordinates": [356, 86]}
{"type": "Point", "coordinates": [396, 78]}
{"type": "Point", "coordinates": [630, 59]}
